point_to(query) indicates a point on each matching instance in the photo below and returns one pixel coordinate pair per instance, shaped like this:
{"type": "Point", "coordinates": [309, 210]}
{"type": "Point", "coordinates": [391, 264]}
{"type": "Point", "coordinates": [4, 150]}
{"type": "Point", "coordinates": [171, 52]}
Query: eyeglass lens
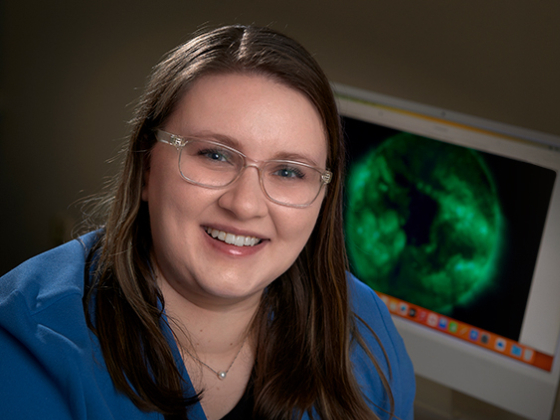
{"type": "Point", "coordinates": [212, 165]}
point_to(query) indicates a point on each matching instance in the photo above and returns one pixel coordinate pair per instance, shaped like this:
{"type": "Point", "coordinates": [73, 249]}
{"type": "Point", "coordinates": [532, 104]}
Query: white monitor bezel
{"type": "Point", "coordinates": [478, 372]}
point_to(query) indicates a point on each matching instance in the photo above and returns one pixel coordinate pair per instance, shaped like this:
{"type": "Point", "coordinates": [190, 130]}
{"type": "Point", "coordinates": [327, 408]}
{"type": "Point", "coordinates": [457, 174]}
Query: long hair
{"type": "Point", "coordinates": [304, 327]}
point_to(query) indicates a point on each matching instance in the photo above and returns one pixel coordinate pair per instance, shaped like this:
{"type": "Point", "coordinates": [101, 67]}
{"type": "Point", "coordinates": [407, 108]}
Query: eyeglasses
{"type": "Point", "coordinates": [213, 165]}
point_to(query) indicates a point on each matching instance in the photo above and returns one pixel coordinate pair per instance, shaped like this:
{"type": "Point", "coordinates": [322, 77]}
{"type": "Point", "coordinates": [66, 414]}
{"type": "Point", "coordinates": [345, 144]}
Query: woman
{"type": "Point", "coordinates": [217, 287]}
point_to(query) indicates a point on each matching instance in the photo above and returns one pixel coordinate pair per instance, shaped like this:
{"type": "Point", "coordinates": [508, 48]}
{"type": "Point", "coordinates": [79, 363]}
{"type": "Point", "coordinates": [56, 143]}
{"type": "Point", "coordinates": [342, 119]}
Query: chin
{"type": "Point", "coordinates": [232, 292]}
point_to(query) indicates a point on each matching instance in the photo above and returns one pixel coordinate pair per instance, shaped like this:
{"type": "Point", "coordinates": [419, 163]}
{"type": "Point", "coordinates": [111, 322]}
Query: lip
{"type": "Point", "coordinates": [232, 250]}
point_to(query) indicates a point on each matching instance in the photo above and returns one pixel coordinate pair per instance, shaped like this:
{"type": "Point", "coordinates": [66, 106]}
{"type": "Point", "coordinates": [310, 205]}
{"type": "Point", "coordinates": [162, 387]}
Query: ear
{"type": "Point", "coordinates": [145, 183]}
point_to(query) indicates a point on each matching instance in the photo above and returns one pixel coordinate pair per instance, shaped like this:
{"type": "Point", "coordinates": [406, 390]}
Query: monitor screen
{"type": "Point", "coordinates": [457, 228]}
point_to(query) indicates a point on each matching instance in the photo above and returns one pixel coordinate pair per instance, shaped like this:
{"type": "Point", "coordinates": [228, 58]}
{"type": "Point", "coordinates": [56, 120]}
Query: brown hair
{"type": "Point", "coordinates": [303, 350]}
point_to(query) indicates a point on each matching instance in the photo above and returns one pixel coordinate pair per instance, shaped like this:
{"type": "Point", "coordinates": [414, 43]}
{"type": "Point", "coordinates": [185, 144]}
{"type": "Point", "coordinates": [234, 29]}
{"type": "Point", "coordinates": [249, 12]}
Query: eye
{"type": "Point", "coordinates": [216, 155]}
{"type": "Point", "coordinates": [289, 172]}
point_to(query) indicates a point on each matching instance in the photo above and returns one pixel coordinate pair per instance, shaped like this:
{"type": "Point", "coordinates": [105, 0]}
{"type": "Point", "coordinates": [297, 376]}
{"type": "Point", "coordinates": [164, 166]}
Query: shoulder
{"type": "Point", "coordinates": [51, 366]}
{"type": "Point", "coordinates": [377, 329]}
{"type": "Point", "coordinates": [47, 277]}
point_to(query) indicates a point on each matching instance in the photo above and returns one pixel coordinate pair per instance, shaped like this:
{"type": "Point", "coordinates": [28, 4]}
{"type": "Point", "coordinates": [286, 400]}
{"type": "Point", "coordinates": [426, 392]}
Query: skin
{"type": "Point", "coordinates": [212, 289]}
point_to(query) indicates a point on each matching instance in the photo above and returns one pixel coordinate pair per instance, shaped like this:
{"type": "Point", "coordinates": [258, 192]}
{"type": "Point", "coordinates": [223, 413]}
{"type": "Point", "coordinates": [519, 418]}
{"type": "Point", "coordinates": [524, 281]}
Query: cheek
{"type": "Point", "coordinates": [297, 227]}
{"type": "Point", "coordinates": [162, 184]}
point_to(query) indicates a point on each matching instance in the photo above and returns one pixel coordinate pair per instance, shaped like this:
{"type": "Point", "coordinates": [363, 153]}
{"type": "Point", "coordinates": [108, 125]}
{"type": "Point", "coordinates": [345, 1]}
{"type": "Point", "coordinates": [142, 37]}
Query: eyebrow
{"type": "Point", "coordinates": [220, 138]}
{"type": "Point", "coordinates": [235, 144]}
{"type": "Point", "coordinates": [296, 157]}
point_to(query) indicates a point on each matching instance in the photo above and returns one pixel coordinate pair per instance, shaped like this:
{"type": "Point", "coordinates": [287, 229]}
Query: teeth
{"type": "Point", "coordinates": [230, 238]}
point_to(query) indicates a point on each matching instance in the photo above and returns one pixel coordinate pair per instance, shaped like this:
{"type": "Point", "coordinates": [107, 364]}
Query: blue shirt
{"type": "Point", "coordinates": [52, 367]}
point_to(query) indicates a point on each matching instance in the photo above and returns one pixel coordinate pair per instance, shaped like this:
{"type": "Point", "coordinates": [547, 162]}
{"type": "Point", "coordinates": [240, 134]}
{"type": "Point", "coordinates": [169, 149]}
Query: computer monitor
{"type": "Point", "coordinates": [455, 222]}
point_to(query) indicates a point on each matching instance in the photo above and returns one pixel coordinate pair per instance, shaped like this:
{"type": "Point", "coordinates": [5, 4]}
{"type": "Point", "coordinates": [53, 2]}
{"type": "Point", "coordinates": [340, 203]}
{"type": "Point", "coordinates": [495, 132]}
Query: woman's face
{"type": "Point", "coordinates": [264, 120]}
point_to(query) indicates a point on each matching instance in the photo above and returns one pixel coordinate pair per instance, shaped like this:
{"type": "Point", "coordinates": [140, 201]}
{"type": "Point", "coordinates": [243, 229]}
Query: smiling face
{"type": "Point", "coordinates": [197, 231]}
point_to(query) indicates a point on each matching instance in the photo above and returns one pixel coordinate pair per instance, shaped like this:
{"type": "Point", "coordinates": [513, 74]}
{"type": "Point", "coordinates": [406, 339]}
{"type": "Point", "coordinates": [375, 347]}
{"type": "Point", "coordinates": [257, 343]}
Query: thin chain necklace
{"type": "Point", "coordinates": [222, 374]}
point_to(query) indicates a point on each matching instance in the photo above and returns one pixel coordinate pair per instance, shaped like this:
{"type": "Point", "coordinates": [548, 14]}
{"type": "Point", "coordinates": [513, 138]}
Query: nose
{"type": "Point", "coordinates": [245, 198]}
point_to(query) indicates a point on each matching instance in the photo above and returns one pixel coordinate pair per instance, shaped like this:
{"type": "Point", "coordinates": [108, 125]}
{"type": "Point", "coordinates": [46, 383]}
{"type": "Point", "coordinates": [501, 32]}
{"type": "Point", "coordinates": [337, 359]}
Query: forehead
{"type": "Point", "coordinates": [262, 117]}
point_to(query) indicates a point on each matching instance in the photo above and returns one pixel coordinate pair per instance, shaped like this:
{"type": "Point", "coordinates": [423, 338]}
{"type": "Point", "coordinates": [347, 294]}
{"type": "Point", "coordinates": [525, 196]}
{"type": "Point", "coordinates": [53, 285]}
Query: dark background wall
{"type": "Point", "coordinates": [71, 70]}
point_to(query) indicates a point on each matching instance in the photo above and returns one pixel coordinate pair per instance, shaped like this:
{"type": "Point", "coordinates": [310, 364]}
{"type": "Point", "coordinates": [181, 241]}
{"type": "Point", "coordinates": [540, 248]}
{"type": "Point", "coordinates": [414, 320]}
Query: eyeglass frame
{"type": "Point", "coordinates": [179, 142]}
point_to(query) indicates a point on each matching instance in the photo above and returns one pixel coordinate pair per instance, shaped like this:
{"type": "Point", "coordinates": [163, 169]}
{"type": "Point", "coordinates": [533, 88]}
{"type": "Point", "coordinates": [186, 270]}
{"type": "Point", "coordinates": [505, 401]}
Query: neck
{"type": "Point", "coordinates": [208, 328]}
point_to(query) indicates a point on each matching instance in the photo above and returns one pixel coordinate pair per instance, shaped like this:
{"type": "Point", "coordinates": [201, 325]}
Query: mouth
{"type": "Point", "coordinates": [231, 239]}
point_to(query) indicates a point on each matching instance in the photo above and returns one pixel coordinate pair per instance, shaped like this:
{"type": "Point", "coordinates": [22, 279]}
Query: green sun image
{"type": "Point", "coordinates": [423, 222]}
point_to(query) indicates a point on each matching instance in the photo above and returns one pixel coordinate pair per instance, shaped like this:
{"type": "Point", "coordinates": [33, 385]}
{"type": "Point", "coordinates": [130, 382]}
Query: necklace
{"type": "Point", "coordinates": [222, 374]}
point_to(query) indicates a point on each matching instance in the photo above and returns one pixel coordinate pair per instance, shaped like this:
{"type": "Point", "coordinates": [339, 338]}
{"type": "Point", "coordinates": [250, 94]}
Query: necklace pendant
{"type": "Point", "coordinates": [222, 375]}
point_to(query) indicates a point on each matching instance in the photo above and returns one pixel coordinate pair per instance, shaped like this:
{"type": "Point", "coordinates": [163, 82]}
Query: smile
{"type": "Point", "coordinates": [230, 238]}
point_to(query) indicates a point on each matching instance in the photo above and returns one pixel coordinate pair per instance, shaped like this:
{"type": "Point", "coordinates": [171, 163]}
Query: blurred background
{"type": "Point", "coordinates": [70, 72]}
